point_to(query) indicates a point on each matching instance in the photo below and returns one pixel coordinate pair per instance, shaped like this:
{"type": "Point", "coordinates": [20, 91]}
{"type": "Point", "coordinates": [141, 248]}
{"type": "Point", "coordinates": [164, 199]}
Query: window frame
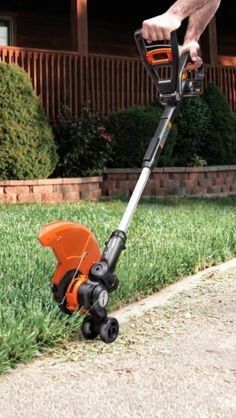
{"type": "Point", "coordinates": [10, 19]}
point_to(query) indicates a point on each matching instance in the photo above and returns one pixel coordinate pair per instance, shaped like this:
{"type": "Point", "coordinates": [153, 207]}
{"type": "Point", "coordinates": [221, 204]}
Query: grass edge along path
{"type": "Point", "coordinates": [167, 239]}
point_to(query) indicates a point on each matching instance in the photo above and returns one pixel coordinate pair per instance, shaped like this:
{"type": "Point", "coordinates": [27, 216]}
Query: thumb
{"type": "Point", "coordinates": [193, 49]}
{"type": "Point", "coordinates": [193, 54]}
{"type": "Point", "coordinates": [196, 59]}
{"type": "Point", "coordinates": [190, 46]}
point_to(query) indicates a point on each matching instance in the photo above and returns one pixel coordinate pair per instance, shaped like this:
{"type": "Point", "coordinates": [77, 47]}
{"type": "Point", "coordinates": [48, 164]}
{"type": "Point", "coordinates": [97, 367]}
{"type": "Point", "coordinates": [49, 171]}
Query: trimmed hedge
{"type": "Point", "coordinates": [132, 130]}
{"type": "Point", "coordinates": [204, 133]}
{"type": "Point", "coordinates": [27, 148]}
{"type": "Point", "coordinates": [219, 145]}
{"type": "Point", "coordinates": [192, 123]}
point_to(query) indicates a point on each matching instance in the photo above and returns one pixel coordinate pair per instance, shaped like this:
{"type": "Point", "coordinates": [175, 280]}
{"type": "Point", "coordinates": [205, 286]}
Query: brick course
{"type": "Point", "coordinates": [173, 181]}
{"type": "Point", "coordinates": [50, 190]}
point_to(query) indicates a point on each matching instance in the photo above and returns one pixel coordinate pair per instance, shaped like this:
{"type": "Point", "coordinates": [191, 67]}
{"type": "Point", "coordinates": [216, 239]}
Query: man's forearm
{"type": "Point", "coordinates": [199, 12]}
{"type": "Point", "coordinates": [199, 20]}
{"type": "Point", "coordinates": [184, 8]}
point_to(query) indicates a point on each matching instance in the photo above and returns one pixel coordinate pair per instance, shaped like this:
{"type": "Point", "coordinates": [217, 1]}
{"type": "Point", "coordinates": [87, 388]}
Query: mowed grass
{"type": "Point", "coordinates": [167, 239]}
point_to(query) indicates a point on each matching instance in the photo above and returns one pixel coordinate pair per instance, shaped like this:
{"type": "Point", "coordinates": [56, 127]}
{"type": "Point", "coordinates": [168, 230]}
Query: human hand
{"type": "Point", "coordinates": [193, 48]}
{"type": "Point", "coordinates": [160, 27]}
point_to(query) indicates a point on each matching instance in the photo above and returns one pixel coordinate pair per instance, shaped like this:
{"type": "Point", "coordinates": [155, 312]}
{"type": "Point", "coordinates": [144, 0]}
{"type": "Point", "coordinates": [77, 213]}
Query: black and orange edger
{"type": "Point", "coordinates": [84, 275]}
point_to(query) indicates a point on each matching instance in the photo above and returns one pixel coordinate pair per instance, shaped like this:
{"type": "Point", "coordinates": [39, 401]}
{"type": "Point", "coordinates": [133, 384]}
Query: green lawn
{"type": "Point", "coordinates": [167, 239]}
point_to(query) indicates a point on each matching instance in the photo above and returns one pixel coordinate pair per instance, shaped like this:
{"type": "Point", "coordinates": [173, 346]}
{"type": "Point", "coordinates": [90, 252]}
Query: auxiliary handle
{"type": "Point", "coordinates": [165, 66]}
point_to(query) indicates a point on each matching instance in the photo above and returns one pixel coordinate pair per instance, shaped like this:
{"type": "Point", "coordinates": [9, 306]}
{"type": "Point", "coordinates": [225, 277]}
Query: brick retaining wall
{"type": "Point", "coordinates": [173, 181]}
{"type": "Point", "coordinates": [50, 190]}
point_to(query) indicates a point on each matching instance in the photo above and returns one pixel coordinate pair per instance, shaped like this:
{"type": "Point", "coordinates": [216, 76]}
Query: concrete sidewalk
{"type": "Point", "coordinates": [175, 357]}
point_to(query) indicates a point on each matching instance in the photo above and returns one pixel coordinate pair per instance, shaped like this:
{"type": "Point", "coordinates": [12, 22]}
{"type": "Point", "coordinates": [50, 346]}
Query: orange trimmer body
{"type": "Point", "coordinates": [74, 246]}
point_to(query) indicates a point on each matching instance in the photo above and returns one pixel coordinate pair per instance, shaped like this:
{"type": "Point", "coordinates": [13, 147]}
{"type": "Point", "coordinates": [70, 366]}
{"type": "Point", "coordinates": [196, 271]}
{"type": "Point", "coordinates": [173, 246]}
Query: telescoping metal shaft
{"type": "Point", "coordinates": [149, 161]}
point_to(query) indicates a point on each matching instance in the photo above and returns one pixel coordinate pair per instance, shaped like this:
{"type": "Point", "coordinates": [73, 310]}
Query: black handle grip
{"type": "Point", "coordinates": [144, 46]}
{"type": "Point", "coordinates": [166, 54]}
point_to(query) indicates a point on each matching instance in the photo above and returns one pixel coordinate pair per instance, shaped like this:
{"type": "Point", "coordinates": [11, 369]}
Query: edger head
{"type": "Point", "coordinates": [76, 250]}
{"type": "Point", "coordinates": [74, 284]}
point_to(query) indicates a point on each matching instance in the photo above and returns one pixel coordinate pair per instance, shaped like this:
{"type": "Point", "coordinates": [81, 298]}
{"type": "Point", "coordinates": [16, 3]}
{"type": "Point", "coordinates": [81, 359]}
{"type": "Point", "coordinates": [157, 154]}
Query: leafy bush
{"type": "Point", "coordinates": [192, 122]}
{"type": "Point", "coordinates": [219, 144]}
{"type": "Point", "coordinates": [27, 148]}
{"type": "Point", "coordinates": [83, 144]}
{"type": "Point", "coordinates": [132, 130]}
{"type": "Point", "coordinates": [204, 133]}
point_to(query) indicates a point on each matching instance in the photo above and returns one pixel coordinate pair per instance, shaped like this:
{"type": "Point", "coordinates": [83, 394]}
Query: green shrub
{"type": "Point", "coordinates": [83, 144]}
{"type": "Point", "coordinates": [219, 144]}
{"type": "Point", "coordinates": [27, 148]}
{"type": "Point", "coordinates": [132, 130]}
{"type": "Point", "coordinates": [192, 122]}
{"type": "Point", "coordinates": [204, 133]}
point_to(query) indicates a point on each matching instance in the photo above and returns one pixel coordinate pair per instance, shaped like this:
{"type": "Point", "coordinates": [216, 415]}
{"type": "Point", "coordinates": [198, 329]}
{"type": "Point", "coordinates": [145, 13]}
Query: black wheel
{"type": "Point", "coordinates": [89, 329]}
{"type": "Point", "coordinates": [109, 330]}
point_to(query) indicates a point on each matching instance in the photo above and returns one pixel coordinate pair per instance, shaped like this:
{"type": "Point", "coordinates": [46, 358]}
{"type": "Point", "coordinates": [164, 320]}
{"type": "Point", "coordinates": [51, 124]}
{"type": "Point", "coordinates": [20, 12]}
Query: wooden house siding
{"type": "Point", "coordinates": [49, 32]}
